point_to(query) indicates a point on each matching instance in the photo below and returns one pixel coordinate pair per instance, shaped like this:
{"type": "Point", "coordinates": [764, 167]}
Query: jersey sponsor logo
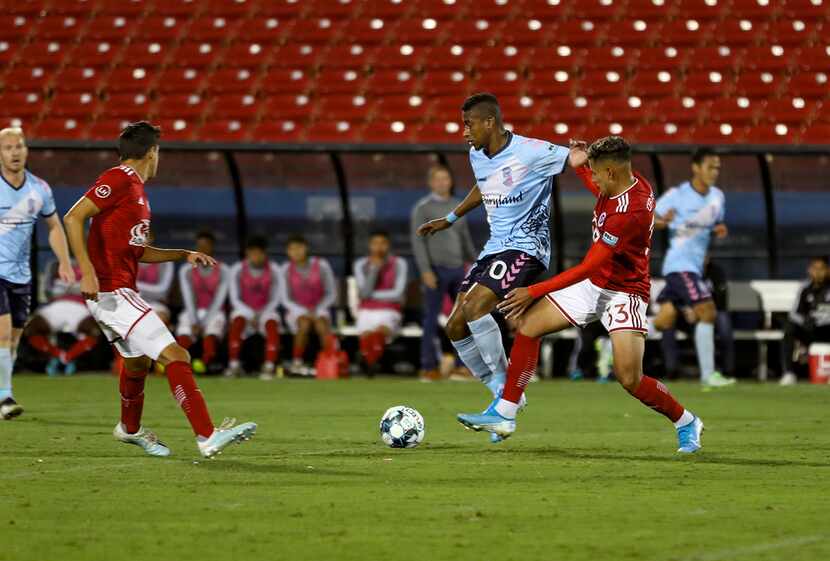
{"type": "Point", "coordinates": [139, 233]}
{"type": "Point", "coordinates": [103, 191]}
{"type": "Point", "coordinates": [499, 201]}
{"type": "Point", "coordinates": [610, 238]}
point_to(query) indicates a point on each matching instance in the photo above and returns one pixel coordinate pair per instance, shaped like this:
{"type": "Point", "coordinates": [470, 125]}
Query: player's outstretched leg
{"type": "Point", "coordinates": [465, 342]}
{"type": "Point", "coordinates": [629, 347]}
{"type": "Point", "coordinates": [211, 441]}
{"type": "Point", "coordinates": [132, 373]}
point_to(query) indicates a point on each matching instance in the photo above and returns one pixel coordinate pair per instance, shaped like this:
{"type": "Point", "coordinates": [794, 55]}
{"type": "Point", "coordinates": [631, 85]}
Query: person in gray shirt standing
{"type": "Point", "coordinates": [440, 259]}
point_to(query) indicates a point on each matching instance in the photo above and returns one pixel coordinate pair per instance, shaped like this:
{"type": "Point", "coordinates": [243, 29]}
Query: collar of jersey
{"type": "Point", "coordinates": [500, 150]}
{"type": "Point", "coordinates": [6, 181]}
{"type": "Point", "coordinates": [636, 181]}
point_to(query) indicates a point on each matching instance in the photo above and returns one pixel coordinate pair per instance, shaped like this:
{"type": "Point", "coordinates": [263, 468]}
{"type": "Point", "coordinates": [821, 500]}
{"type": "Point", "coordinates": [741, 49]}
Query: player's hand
{"type": "Point", "coordinates": [664, 220]}
{"type": "Point", "coordinates": [720, 231]}
{"type": "Point", "coordinates": [66, 273]}
{"type": "Point", "coordinates": [196, 259]}
{"type": "Point", "coordinates": [516, 302]}
{"type": "Point", "coordinates": [433, 226]}
{"type": "Point", "coordinates": [430, 280]}
{"type": "Point", "coordinates": [89, 286]}
{"type": "Point", "coordinates": [578, 155]}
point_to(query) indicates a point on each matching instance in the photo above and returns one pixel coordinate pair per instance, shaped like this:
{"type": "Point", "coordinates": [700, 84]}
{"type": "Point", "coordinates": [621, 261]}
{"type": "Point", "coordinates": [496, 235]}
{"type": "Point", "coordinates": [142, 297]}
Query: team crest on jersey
{"type": "Point", "coordinates": [103, 191]}
{"type": "Point", "coordinates": [507, 176]}
{"type": "Point", "coordinates": [140, 233]}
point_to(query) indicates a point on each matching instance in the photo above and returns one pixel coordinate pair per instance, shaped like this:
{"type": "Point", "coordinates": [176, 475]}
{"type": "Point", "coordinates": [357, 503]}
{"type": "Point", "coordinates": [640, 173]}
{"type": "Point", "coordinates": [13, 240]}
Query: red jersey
{"type": "Point", "coordinates": [625, 223]}
{"type": "Point", "coordinates": [118, 234]}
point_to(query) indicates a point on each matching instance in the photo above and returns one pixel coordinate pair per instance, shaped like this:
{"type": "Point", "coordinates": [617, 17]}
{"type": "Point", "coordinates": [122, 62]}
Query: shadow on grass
{"type": "Point", "coordinates": [269, 467]}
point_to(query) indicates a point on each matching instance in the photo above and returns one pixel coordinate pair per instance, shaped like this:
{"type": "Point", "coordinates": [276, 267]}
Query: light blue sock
{"type": "Point", "coordinates": [5, 373]}
{"type": "Point", "coordinates": [486, 332]}
{"type": "Point", "coordinates": [705, 346]}
{"type": "Point", "coordinates": [471, 357]}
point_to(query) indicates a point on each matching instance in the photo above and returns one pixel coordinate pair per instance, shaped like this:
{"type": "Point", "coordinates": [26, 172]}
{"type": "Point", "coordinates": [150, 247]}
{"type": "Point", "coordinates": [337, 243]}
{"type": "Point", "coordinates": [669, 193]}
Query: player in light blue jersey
{"type": "Point", "coordinates": [692, 212]}
{"type": "Point", "coordinates": [23, 199]}
{"type": "Point", "coordinates": [514, 178]}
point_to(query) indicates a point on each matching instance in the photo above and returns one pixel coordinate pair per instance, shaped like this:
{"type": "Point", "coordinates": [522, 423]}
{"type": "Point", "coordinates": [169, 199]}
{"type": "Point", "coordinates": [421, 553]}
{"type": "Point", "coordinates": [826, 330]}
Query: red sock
{"type": "Point", "coordinates": [131, 385]}
{"type": "Point", "coordinates": [367, 348]}
{"type": "Point", "coordinates": [185, 341]}
{"type": "Point", "coordinates": [523, 359]}
{"type": "Point", "coordinates": [235, 338]}
{"type": "Point", "coordinates": [653, 393]}
{"type": "Point", "coordinates": [41, 343]}
{"type": "Point", "coordinates": [272, 341]}
{"type": "Point", "coordinates": [208, 349]}
{"type": "Point", "coordinates": [84, 344]}
{"type": "Point", "coordinates": [378, 345]}
{"type": "Point", "coordinates": [189, 397]}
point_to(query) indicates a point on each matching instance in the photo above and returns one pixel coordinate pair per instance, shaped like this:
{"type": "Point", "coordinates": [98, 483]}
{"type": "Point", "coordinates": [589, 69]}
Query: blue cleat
{"type": "Point", "coordinates": [489, 421]}
{"type": "Point", "coordinates": [70, 368]}
{"type": "Point", "coordinates": [688, 436]}
{"type": "Point", "coordinates": [53, 367]}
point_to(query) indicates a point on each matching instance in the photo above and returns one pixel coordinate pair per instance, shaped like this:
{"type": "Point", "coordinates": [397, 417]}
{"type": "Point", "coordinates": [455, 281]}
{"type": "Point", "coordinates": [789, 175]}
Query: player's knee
{"type": "Point", "coordinates": [628, 377]}
{"type": "Point", "coordinates": [456, 327]}
{"type": "Point", "coordinates": [303, 325]}
{"type": "Point", "coordinates": [706, 312]}
{"type": "Point", "coordinates": [174, 353]}
{"type": "Point", "coordinates": [474, 309]}
{"type": "Point", "coordinates": [138, 365]}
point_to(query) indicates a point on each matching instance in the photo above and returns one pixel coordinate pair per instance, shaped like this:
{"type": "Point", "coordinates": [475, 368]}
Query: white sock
{"type": "Point", "coordinates": [471, 357]}
{"type": "Point", "coordinates": [705, 346]}
{"type": "Point", "coordinates": [507, 409]}
{"type": "Point", "coordinates": [5, 373]}
{"type": "Point", "coordinates": [686, 418]}
{"type": "Point", "coordinates": [486, 332]}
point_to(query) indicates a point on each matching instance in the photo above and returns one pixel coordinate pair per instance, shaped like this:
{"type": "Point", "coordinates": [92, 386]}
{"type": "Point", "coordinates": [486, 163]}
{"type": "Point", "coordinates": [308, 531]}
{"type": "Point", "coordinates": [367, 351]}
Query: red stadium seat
{"type": "Point", "coordinates": [182, 106]}
{"type": "Point", "coordinates": [267, 29]}
{"type": "Point", "coordinates": [631, 33]}
{"type": "Point", "coordinates": [659, 133]}
{"type": "Point", "coordinates": [297, 56]}
{"type": "Point", "coordinates": [328, 131]}
{"type": "Point", "coordinates": [684, 32]}
{"type": "Point", "coordinates": [146, 54]}
{"type": "Point", "coordinates": [387, 132]}
{"type": "Point", "coordinates": [277, 131]}
{"type": "Point", "coordinates": [232, 80]}
{"type": "Point", "coordinates": [660, 58]}
{"type": "Point", "coordinates": [106, 129]}
{"type": "Point", "coordinates": [407, 108]}
{"type": "Point", "coordinates": [753, 9]}
{"type": "Point", "coordinates": [161, 28]}
{"type": "Point", "coordinates": [448, 132]}
{"type": "Point", "coordinates": [521, 108]}
{"type": "Point", "coordinates": [542, 9]}
{"type": "Point", "coordinates": [340, 81]}
{"type": "Point", "coordinates": [341, 9]}
{"type": "Point", "coordinates": [814, 58]}
{"type": "Point", "coordinates": [248, 54]}
{"type": "Point", "coordinates": [679, 111]}
{"type": "Point", "coordinates": [809, 85]}
{"type": "Point", "coordinates": [716, 133]}
{"type": "Point", "coordinates": [352, 108]}
{"type": "Point", "coordinates": [281, 81]}
{"type": "Point", "coordinates": [225, 130]}
{"type": "Point", "coordinates": [528, 32]}
{"type": "Point", "coordinates": [214, 27]}
{"type": "Point", "coordinates": [366, 31]}
{"type": "Point", "coordinates": [180, 80]}
{"type": "Point", "coordinates": [315, 31]}
{"type": "Point", "coordinates": [566, 109]}
{"type": "Point", "coordinates": [54, 128]}
{"type": "Point", "coordinates": [561, 57]}
{"type": "Point", "coordinates": [391, 82]}
{"type": "Point", "coordinates": [550, 83]}
{"type": "Point", "coordinates": [178, 8]}
{"type": "Point", "coordinates": [288, 9]}
{"type": "Point", "coordinates": [196, 54]}
{"type": "Point", "coordinates": [711, 84]}
{"type": "Point", "coordinates": [736, 111]}
{"type": "Point", "coordinates": [76, 105]}
{"type": "Point", "coordinates": [129, 79]}
{"type": "Point", "coordinates": [647, 10]}
{"type": "Point", "coordinates": [770, 133]}
{"type": "Point", "coordinates": [109, 28]}
{"type": "Point", "coordinates": [446, 108]}
{"type": "Point", "coordinates": [385, 10]}
{"type": "Point", "coordinates": [818, 133]}
{"type": "Point", "coordinates": [27, 79]}
{"type": "Point", "coordinates": [792, 32]}
{"type": "Point", "coordinates": [806, 10]}
{"type": "Point", "coordinates": [223, 8]}
{"type": "Point", "coordinates": [790, 110]}
{"type": "Point", "coordinates": [57, 28]}
{"type": "Point", "coordinates": [600, 83]}
{"type": "Point", "coordinates": [78, 8]}
{"type": "Point", "coordinates": [759, 84]}
{"type": "Point", "coordinates": [627, 111]}
{"type": "Point", "coordinates": [500, 82]}
{"type": "Point", "coordinates": [20, 105]}
{"type": "Point", "coordinates": [43, 53]}
{"type": "Point", "coordinates": [700, 9]}
{"type": "Point", "coordinates": [95, 53]}
{"type": "Point", "coordinates": [471, 32]}
{"type": "Point", "coordinates": [176, 129]}
{"type": "Point", "coordinates": [740, 32]}
{"type": "Point", "coordinates": [600, 129]}
{"type": "Point", "coordinates": [77, 79]}
{"type": "Point", "coordinates": [132, 10]}
{"type": "Point", "coordinates": [127, 107]}
{"type": "Point", "coordinates": [610, 58]}
{"type": "Point", "coordinates": [7, 52]}
{"type": "Point", "coordinates": [403, 56]}
{"type": "Point", "coordinates": [420, 30]}
{"type": "Point", "coordinates": [292, 107]}
{"type": "Point", "coordinates": [449, 57]}
{"type": "Point", "coordinates": [722, 59]}
{"type": "Point", "coordinates": [237, 107]}
{"type": "Point", "coordinates": [443, 9]}
{"type": "Point", "coordinates": [774, 58]}
{"type": "Point", "coordinates": [509, 57]}
{"type": "Point", "coordinates": [345, 56]}
{"type": "Point", "coordinates": [444, 82]}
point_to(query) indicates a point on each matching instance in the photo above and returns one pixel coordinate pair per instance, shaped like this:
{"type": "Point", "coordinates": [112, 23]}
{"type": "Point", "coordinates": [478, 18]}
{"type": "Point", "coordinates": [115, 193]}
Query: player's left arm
{"type": "Point", "coordinates": [59, 245]}
{"type": "Point", "coordinates": [157, 255]}
{"type": "Point", "coordinates": [720, 230]}
{"type": "Point", "coordinates": [330, 289]}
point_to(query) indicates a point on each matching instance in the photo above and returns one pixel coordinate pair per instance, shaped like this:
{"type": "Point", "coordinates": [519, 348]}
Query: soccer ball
{"type": "Point", "coordinates": [402, 427]}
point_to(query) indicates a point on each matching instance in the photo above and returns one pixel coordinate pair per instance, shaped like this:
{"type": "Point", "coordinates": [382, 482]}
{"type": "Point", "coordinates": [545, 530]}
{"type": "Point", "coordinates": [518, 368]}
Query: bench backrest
{"type": "Point", "coordinates": [769, 296]}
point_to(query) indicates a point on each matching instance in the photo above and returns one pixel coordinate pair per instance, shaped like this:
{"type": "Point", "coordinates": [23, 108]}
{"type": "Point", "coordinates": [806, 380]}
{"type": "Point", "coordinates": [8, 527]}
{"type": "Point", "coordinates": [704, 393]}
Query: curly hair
{"type": "Point", "coordinates": [614, 148]}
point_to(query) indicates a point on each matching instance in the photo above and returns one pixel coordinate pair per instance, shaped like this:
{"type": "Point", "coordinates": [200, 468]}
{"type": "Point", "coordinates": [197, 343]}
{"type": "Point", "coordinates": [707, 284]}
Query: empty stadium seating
{"type": "Point", "coordinates": [290, 70]}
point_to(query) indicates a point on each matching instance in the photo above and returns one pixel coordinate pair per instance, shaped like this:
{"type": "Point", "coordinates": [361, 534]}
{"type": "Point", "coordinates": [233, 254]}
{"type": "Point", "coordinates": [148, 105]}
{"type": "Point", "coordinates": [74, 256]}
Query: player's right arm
{"type": "Point", "coordinates": [74, 222]}
{"type": "Point", "coordinates": [471, 201]}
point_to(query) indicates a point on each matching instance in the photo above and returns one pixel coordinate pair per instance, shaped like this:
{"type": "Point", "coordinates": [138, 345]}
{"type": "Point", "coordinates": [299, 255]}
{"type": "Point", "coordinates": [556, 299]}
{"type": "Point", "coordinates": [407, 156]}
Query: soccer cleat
{"type": "Point", "coordinates": [225, 435]}
{"type": "Point", "coordinates": [9, 409]}
{"type": "Point", "coordinates": [70, 368]}
{"type": "Point", "coordinates": [576, 375]}
{"type": "Point", "coordinates": [489, 421]}
{"type": "Point", "coordinates": [53, 367]}
{"type": "Point", "coordinates": [144, 439]}
{"type": "Point", "coordinates": [234, 369]}
{"type": "Point", "coordinates": [688, 436]}
{"type": "Point", "coordinates": [495, 438]}
{"type": "Point", "coordinates": [788, 379]}
{"type": "Point", "coordinates": [717, 380]}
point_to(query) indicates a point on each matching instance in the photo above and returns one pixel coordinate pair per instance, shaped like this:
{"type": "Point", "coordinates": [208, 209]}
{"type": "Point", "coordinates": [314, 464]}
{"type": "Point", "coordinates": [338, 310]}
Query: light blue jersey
{"type": "Point", "coordinates": [689, 233]}
{"type": "Point", "coordinates": [19, 210]}
{"type": "Point", "coordinates": [515, 185]}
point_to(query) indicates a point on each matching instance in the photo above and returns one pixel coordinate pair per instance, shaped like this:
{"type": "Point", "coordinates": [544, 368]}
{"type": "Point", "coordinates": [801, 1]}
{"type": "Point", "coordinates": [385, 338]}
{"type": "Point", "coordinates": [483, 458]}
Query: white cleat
{"type": "Point", "coordinates": [788, 379]}
{"type": "Point", "coordinates": [144, 439]}
{"type": "Point", "coordinates": [717, 380]}
{"type": "Point", "coordinates": [225, 435]}
{"type": "Point", "coordinates": [234, 370]}
{"type": "Point", "coordinates": [9, 409]}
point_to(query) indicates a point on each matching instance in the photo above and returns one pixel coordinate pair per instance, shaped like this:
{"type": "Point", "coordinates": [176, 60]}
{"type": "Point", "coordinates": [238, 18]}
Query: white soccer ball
{"type": "Point", "coordinates": [402, 427]}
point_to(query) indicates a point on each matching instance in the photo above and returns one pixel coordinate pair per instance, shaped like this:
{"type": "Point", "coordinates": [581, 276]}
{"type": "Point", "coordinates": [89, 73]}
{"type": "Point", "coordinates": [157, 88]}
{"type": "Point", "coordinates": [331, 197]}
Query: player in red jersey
{"type": "Point", "coordinates": [120, 213]}
{"type": "Point", "coordinates": [611, 285]}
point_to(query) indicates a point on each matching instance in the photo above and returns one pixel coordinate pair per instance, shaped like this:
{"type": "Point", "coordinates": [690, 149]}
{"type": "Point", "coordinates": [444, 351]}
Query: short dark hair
{"type": "Point", "coordinates": [257, 242]}
{"type": "Point", "coordinates": [206, 235]}
{"type": "Point", "coordinates": [379, 234]}
{"type": "Point", "coordinates": [701, 154]}
{"type": "Point", "coordinates": [136, 140]}
{"type": "Point", "coordinates": [614, 148]}
{"type": "Point", "coordinates": [822, 258]}
{"type": "Point", "coordinates": [296, 238]}
{"type": "Point", "coordinates": [486, 102]}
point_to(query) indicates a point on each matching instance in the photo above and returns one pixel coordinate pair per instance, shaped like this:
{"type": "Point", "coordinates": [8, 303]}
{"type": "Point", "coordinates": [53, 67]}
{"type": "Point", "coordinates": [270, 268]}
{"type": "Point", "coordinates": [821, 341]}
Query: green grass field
{"type": "Point", "coordinates": [590, 475]}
